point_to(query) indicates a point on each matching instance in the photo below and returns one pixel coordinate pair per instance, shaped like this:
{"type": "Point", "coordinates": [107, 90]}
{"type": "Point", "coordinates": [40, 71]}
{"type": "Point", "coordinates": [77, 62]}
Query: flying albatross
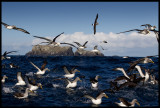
{"type": "Point", "coordinates": [144, 31]}
{"type": "Point", "coordinates": [50, 42]}
{"type": "Point", "coordinates": [42, 70]}
{"type": "Point", "coordinates": [81, 46]}
{"type": "Point", "coordinates": [144, 60]}
{"type": "Point", "coordinates": [5, 54]}
{"type": "Point", "coordinates": [125, 103]}
{"type": "Point", "coordinates": [71, 73]}
{"type": "Point", "coordinates": [15, 28]}
{"type": "Point", "coordinates": [98, 99]}
{"type": "Point", "coordinates": [95, 23]}
{"type": "Point", "coordinates": [149, 27]}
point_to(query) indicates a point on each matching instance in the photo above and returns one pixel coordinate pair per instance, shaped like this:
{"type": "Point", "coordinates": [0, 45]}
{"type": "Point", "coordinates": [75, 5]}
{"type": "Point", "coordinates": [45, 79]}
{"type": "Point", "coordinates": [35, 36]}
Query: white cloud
{"type": "Point", "coordinates": [117, 43]}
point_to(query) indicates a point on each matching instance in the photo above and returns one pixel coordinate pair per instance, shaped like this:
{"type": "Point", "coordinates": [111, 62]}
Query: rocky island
{"type": "Point", "coordinates": [50, 50]}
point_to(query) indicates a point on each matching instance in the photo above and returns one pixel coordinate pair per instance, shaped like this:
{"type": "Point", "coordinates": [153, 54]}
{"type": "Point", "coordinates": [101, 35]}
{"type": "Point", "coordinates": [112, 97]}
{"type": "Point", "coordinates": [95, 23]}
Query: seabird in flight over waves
{"type": "Point", "coordinates": [71, 73]}
{"type": "Point", "coordinates": [50, 42]}
{"type": "Point", "coordinates": [144, 31]}
{"type": "Point", "coordinates": [15, 28]}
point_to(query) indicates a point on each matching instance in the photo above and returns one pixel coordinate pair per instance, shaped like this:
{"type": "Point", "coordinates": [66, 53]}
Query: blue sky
{"type": "Point", "coordinates": [49, 19]}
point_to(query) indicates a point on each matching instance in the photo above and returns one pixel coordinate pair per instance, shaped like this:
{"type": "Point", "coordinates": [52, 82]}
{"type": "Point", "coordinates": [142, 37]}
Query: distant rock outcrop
{"type": "Point", "coordinates": [82, 52]}
{"type": "Point", "coordinates": [49, 50]}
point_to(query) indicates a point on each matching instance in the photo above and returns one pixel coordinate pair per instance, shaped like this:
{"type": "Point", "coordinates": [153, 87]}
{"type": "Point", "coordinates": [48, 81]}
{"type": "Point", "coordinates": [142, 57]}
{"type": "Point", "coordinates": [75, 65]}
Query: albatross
{"type": "Point", "coordinates": [144, 31]}
{"type": "Point", "coordinates": [50, 42]}
{"type": "Point", "coordinates": [4, 78]}
{"type": "Point", "coordinates": [42, 70]}
{"type": "Point", "coordinates": [21, 95]}
{"type": "Point", "coordinates": [98, 99]}
{"type": "Point", "coordinates": [20, 79]}
{"type": "Point", "coordinates": [71, 73]}
{"type": "Point", "coordinates": [5, 54]}
{"type": "Point", "coordinates": [146, 76]}
{"type": "Point", "coordinates": [73, 83]}
{"type": "Point", "coordinates": [32, 86]}
{"type": "Point", "coordinates": [149, 27]}
{"type": "Point", "coordinates": [15, 28]}
{"type": "Point", "coordinates": [81, 46]}
{"type": "Point", "coordinates": [125, 103]}
{"type": "Point", "coordinates": [95, 23]}
{"type": "Point", "coordinates": [144, 60]}
{"type": "Point", "coordinates": [94, 81]}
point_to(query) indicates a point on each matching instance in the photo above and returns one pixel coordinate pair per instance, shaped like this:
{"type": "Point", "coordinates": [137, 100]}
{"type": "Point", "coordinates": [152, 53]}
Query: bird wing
{"type": "Point", "coordinates": [66, 70]}
{"type": "Point", "coordinates": [19, 76]}
{"type": "Point", "coordinates": [27, 81]}
{"type": "Point", "coordinates": [20, 29]}
{"type": "Point", "coordinates": [69, 44]}
{"type": "Point", "coordinates": [95, 23]}
{"type": "Point", "coordinates": [124, 102]}
{"type": "Point", "coordinates": [133, 64]}
{"type": "Point", "coordinates": [129, 31]}
{"type": "Point", "coordinates": [78, 44]}
{"type": "Point", "coordinates": [43, 38]}
{"type": "Point", "coordinates": [57, 37]}
{"type": "Point", "coordinates": [85, 43]}
{"type": "Point", "coordinates": [121, 78]}
{"type": "Point", "coordinates": [88, 96]}
{"type": "Point", "coordinates": [35, 66]}
{"type": "Point", "coordinates": [44, 64]}
{"type": "Point", "coordinates": [5, 24]}
{"type": "Point", "coordinates": [5, 53]}
{"type": "Point", "coordinates": [127, 84]}
{"type": "Point", "coordinates": [146, 25]}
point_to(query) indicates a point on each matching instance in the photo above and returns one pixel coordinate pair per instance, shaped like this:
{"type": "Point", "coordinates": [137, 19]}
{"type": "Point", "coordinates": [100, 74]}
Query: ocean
{"type": "Point", "coordinates": [54, 91]}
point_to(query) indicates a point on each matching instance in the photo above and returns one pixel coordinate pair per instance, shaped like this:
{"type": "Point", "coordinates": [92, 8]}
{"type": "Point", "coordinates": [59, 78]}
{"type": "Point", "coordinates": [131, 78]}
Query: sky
{"type": "Point", "coordinates": [48, 19]}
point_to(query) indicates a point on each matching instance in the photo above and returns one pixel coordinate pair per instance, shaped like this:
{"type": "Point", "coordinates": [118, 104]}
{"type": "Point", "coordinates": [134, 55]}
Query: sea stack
{"type": "Point", "coordinates": [49, 50]}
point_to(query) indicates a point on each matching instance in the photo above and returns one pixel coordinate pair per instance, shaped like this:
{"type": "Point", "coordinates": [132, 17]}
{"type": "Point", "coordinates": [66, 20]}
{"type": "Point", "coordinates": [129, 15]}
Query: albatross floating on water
{"type": "Point", "coordinates": [72, 83]}
{"type": "Point", "coordinates": [15, 28]}
{"type": "Point", "coordinates": [50, 42]}
{"type": "Point", "coordinates": [32, 86]}
{"type": "Point", "coordinates": [22, 95]}
{"type": "Point", "coordinates": [124, 103]}
{"type": "Point", "coordinates": [42, 70]}
{"type": "Point", "coordinates": [3, 79]}
{"type": "Point", "coordinates": [94, 81]}
{"type": "Point", "coordinates": [98, 99]}
{"type": "Point", "coordinates": [71, 73]}
{"type": "Point", "coordinates": [95, 23]}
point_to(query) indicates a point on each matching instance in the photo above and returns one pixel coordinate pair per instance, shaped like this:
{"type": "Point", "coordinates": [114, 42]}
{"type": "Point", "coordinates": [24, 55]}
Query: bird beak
{"type": "Point", "coordinates": [106, 96]}
{"type": "Point", "coordinates": [138, 103]}
{"type": "Point", "coordinates": [78, 71]}
{"type": "Point", "coordinates": [31, 91]}
{"type": "Point", "coordinates": [80, 80]}
{"type": "Point", "coordinates": [7, 77]}
{"type": "Point", "coordinates": [152, 62]}
{"type": "Point", "coordinates": [41, 86]}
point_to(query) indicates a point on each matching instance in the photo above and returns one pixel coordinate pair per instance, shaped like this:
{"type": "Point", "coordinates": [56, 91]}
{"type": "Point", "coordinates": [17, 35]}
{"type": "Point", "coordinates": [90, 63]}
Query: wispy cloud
{"type": "Point", "coordinates": [118, 44]}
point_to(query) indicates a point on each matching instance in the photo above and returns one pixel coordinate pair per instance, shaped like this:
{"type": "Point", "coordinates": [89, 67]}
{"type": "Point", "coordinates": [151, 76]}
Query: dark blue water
{"type": "Point", "coordinates": [54, 92]}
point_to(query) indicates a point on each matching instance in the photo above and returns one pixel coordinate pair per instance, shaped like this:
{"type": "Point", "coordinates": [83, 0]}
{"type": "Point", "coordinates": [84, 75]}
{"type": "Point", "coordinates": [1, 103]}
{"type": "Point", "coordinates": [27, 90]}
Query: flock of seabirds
{"type": "Point", "coordinates": [130, 78]}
